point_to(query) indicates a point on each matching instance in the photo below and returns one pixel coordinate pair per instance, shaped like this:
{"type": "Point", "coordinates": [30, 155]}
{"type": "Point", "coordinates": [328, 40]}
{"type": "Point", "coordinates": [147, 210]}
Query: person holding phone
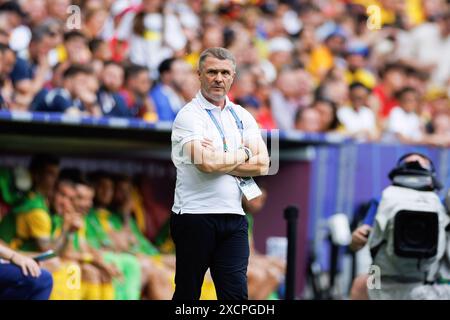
{"type": "Point", "coordinates": [21, 278]}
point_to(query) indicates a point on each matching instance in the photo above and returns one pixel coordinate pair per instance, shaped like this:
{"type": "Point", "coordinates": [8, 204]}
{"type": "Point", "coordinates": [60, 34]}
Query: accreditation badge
{"type": "Point", "coordinates": [248, 187]}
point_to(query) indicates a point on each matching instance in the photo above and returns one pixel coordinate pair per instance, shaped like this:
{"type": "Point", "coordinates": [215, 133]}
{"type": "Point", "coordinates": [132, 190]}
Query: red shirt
{"type": "Point", "coordinates": [386, 103]}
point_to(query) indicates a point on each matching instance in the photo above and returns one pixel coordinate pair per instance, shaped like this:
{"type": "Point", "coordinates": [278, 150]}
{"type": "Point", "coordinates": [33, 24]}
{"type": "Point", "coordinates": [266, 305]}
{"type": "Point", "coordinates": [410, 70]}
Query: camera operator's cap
{"type": "Point", "coordinates": [401, 169]}
{"type": "Point", "coordinates": [401, 161]}
{"type": "Point", "coordinates": [14, 7]}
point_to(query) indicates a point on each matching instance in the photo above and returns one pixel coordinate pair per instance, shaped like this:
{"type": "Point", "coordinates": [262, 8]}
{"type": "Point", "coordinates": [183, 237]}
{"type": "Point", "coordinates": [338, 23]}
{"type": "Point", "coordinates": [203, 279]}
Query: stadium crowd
{"type": "Point", "coordinates": [316, 66]}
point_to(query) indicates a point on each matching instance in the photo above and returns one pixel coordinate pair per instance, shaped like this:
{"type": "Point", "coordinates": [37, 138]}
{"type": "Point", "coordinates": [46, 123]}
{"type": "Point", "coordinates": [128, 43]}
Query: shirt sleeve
{"type": "Point", "coordinates": [60, 103]}
{"type": "Point", "coordinates": [187, 127]}
{"type": "Point", "coordinates": [120, 110]}
{"type": "Point", "coordinates": [395, 122]}
{"type": "Point", "coordinates": [21, 71]}
{"type": "Point", "coordinates": [39, 224]}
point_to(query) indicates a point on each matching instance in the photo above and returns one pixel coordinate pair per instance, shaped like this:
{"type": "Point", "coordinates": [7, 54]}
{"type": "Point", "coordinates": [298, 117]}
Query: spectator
{"type": "Point", "coordinates": [265, 117]}
{"type": "Point", "coordinates": [357, 71]}
{"type": "Point", "coordinates": [357, 119]}
{"type": "Point", "coordinates": [190, 86]}
{"type": "Point", "coordinates": [110, 101]}
{"type": "Point", "coordinates": [7, 59]}
{"type": "Point", "coordinates": [323, 58]}
{"type": "Point", "coordinates": [30, 76]}
{"type": "Point", "coordinates": [286, 98]}
{"type": "Point", "coordinates": [95, 20]}
{"type": "Point", "coordinates": [328, 114]}
{"type": "Point", "coordinates": [427, 45]}
{"type": "Point", "coordinates": [136, 92]}
{"type": "Point", "coordinates": [404, 121]}
{"type": "Point", "coordinates": [154, 34]}
{"type": "Point", "coordinates": [167, 93]}
{"type": "Point", "coordinates": [334, 87]}
{"type": "Point", "coordinates": [11, 15]}
{"type": "Point", "coordinates": [76, 96]}
{"type": "Point", "coordinates": [308, 120]}
{"type": "Point", "coordinates": [392, 80]}
{"type": "Point", "coordinates": [100, 50]}
{"type": "Point", "coordinates": [36, 11]}
{"type": "Point", "coordinates": [76, 48]}
{"type": "Point", "coordinates": [280, 52]}
{"type": "Point", "coordinates": [58, 9]}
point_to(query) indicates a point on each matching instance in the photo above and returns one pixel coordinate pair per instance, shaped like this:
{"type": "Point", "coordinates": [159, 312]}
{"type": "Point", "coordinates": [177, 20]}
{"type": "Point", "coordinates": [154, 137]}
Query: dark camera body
{"type": "Point", "coordinates": [416, 234]}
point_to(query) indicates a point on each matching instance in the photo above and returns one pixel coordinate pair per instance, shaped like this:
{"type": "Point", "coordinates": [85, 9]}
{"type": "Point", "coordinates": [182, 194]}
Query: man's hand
{"type": "Point", "coordinates": [110, 270]}
{"type": "Point", "coordinates": [72, 222]}
{"type": "Point", "coordinates": [209, 160]}
{"type": "Point", "coordinates": [360, 237]}
{"type": "Point", "coordinates": [208, 144]}
{"type": "Point", "coordinates": [28, 265]}
{"type": "Point", "coordinates": [258, 164]}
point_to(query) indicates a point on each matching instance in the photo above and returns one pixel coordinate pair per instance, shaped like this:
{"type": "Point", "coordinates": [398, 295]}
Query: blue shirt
{"type": "Point", "coordinates": [112, 104]}
{"type": "Point", "coordinates": [54, 100]}
{"type": "Point", "coordinates": [22, 70]}
{"type": "Point", "coordinates": [166, 109]}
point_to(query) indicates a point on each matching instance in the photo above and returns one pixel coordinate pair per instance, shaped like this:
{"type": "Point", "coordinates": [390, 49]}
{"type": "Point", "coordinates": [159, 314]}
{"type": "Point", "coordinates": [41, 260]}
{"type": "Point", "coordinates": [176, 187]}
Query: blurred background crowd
{"type": "Point", "coordinates": [315, 66]}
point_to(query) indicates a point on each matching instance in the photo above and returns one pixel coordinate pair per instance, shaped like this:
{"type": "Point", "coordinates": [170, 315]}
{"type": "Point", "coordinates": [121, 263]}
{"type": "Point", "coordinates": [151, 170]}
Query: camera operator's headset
{"type": "Point", "coordinates": [415, 169]}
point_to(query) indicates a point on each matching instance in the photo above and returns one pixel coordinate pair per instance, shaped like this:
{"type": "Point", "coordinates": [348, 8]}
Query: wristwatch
{"type": "Point", "coordinates": [248, 152]}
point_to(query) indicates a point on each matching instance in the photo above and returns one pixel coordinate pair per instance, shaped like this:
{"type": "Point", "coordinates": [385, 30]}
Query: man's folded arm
{"type": "Point", "coordinates": [258, 164]}
{"type": "Point", "coordinates": [213, 161]}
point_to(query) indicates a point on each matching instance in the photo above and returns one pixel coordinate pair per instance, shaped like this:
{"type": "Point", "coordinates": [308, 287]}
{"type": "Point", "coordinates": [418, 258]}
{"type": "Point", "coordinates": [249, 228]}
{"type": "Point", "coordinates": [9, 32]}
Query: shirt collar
{"type": "Point", "coordinates": [208, 105]}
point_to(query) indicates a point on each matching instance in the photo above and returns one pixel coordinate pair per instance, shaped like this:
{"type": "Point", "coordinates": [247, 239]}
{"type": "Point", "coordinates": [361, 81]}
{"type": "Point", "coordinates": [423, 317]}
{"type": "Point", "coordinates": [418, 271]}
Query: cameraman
{"type": "Point", "coordinates": [419, 165]}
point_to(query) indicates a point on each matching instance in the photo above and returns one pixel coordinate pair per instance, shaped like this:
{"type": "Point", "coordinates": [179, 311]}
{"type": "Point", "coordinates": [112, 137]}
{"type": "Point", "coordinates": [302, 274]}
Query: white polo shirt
{"type": "Point", "coordinates": [196, 191]}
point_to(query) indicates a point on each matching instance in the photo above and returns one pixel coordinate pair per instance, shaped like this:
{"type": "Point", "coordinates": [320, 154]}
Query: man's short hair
{"type": "Point", "coordinates": [72, 174]}
{"type": "Point", "coordinates": [391, 66]}
{"type": "Point", "coordinates": [112, 63]}
{"type": "Point", "coordinates": [40, 161]}
{"type": "Point", "coordinates": [355, 85]}
{"type": "Point", "coordinates": [95, 176]}
{"type": "Point", "coordinates": [74, 34]}
{"type": "Point", "coordinates": [49, 28]}
{"type": "Point", "coordinates": [218, 53]}
{"type": "Point", "coordinates": [166, 65]}
{"type": "Point", "coordinates": [12, 7]}
{"type": "Point", "coordinates": [76, 69]}
{"type": "Point", "coordinates": [4, 47]}
{"type": "Point", "coordinates": [400, 93]}
{"type": "Point", "coordinates": [121, 177]}
{"type": "Point", "coordinates": [94, 44]}
{"type": "Point", "coordinates": [133, 70]}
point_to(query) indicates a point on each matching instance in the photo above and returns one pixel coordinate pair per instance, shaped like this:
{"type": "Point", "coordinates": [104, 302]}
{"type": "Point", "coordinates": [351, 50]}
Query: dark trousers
{"type": "Point", "coordinates": [215, 241]}
{"type": "Point", "coordinates": [14, 285]}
